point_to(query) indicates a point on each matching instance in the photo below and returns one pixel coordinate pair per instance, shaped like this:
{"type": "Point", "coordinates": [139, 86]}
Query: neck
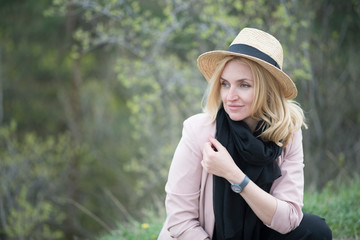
{"type": "Point", "coordinates": [251, 123]}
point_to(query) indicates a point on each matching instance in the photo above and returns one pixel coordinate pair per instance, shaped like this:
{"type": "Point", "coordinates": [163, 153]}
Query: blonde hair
{"type": "Point", "coordinates": [281, 117]}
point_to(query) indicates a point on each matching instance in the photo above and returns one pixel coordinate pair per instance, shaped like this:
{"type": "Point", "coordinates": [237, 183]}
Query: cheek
{"type": "Point", "coordinates": [223, 95]}
{"type": "Point", "coordinates": [251, 95]}
{"type": "Point", "coordinates": [249, 98]}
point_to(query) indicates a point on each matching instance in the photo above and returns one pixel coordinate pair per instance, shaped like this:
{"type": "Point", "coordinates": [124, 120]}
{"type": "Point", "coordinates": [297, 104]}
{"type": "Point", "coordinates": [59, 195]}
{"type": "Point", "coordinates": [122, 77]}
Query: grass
{"type": "Point", "coordinates": [338, 204]}
{"type": "Point", "coordinates": [135, 231]}
{"type": "Point", "coordinates": [145, 230]}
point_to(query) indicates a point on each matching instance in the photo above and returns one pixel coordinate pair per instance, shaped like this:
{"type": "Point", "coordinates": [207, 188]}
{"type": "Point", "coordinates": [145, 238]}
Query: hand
{"type": "Point", "coordinates": [218, 161]}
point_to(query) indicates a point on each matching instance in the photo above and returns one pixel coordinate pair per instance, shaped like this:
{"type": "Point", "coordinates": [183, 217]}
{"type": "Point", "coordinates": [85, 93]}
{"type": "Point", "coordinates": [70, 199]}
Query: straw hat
{"type": "Point", "coordinates": [257, 46]}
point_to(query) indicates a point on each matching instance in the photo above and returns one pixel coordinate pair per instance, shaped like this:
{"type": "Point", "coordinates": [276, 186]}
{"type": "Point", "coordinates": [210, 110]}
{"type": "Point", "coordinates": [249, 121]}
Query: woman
{"type": "Point", "coordinates": [237, 172]}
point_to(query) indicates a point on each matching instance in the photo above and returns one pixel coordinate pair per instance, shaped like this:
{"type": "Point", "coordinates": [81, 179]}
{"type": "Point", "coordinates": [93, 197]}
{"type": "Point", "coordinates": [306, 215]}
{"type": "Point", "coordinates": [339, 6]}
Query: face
{"type": "Point", "coordinates": [237, 91]}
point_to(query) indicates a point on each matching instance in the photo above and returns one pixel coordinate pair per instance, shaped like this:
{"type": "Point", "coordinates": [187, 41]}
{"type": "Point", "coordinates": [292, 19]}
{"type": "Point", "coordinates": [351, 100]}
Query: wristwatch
{"type": "Point", "coordinates": [238, 187]}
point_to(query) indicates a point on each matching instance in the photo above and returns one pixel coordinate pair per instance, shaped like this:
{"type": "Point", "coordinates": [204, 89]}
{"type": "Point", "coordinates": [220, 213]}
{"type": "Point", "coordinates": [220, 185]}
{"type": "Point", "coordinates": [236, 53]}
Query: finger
{"type": "Point", "coordinates": [208, 148]}
{"type": "Point", "coordinates": [215, 143]}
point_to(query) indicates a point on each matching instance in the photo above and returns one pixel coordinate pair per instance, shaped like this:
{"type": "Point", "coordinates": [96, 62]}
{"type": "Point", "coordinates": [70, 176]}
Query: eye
{"type": "Point", "coordinates": [224, 84]}
{"type": "Point", "coordinates": [245, 85]}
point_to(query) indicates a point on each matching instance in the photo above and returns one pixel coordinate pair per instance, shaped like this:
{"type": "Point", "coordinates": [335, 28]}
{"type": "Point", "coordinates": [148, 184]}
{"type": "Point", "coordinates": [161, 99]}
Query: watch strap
{"type": "Point", "coordinates": [244, 182]}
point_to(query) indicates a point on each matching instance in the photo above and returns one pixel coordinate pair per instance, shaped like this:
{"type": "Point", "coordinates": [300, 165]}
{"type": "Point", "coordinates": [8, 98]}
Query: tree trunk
{"type": "Point", "coordinates": [74, 113]}
{"type": "Point", "coordinates": [1, 92]}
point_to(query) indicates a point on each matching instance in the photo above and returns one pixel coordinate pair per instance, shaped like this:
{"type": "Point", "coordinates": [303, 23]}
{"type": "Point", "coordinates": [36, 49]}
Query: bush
{"type": "Point", "coordinates": [29, 169]}
{"type": "Point", "coordinates": [35, 177]}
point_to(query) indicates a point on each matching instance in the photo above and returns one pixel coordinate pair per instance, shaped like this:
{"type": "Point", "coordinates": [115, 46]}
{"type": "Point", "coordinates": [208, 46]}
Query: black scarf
{"type": "Point", "coordinates": [234, 219]}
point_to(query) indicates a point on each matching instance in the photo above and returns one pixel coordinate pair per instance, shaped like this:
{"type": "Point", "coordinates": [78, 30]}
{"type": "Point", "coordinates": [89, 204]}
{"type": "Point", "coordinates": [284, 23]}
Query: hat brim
{"type": "Point", "coordinates": [207, 63]}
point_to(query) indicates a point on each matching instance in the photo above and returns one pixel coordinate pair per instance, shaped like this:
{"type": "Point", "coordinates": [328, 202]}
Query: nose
{"type": "Point", "coordinates": [232, 94]}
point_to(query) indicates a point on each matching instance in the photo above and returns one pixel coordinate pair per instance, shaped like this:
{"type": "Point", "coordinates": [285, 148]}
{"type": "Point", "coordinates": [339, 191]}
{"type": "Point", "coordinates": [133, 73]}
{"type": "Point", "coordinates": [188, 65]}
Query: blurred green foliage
{"type": "Point", "coordinates": [26, 221]}
{"type": "Point", "coordinates": [32, 173]}
{"type": "Point", "coordinates": [93, 94]}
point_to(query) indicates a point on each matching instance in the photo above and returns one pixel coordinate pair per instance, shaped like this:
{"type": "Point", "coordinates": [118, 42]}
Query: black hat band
{"type": "Point", "coordinates": [254, 52]}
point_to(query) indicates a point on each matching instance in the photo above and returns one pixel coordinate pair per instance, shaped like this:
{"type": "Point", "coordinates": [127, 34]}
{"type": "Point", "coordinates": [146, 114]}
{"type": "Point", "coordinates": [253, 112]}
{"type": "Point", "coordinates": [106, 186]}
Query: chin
{"type": "Point", "coordinates": [236, 118]}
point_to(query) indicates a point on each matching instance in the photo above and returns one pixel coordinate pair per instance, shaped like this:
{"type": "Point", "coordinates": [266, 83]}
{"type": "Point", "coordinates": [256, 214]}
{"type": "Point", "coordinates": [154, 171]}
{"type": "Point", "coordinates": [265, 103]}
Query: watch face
{"type": "Point", "coordinates": [236, 188]}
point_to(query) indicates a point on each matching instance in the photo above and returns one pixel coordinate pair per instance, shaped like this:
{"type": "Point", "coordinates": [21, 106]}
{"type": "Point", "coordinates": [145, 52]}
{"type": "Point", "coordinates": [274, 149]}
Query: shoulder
{"type": "Point", "coordinates": [294, 150]}
{"type": "Point", "coordinates": [198, 128]}
{"type": "Point", "coordinates": [295, 141]}
{"type": "Point", "coordinates": [200, 124]}
{"type": "Point", "coordinates": [199, 120]}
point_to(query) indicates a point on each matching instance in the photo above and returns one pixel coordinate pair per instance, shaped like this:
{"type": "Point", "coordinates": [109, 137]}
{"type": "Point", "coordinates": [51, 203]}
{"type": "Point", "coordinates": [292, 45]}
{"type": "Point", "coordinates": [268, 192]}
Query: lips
{"type": "Point", "coordinates": [234, 107]}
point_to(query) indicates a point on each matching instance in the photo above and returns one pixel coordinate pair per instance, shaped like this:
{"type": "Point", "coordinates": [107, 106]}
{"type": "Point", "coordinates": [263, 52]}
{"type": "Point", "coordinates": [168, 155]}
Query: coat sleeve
{"type": "Point", "coordinates": [183, 187]}
{"type": "Point", "coordinates": [289, 188]}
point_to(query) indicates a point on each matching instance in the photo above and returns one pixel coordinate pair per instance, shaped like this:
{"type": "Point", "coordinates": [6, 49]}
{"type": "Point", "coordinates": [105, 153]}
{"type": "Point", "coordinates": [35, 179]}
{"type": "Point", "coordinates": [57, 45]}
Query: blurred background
{"type": "Point", "coordinates": [93, 94]}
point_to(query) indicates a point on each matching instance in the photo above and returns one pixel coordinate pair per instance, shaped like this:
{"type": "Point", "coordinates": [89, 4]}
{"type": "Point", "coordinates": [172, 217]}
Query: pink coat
{"type": "Point", "coordinates": [189, 199]}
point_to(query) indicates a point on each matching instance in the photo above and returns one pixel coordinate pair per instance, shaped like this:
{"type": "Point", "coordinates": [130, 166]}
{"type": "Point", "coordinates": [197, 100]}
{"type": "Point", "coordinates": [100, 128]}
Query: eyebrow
{"type": "Point", "coordinates": [238, 80]}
